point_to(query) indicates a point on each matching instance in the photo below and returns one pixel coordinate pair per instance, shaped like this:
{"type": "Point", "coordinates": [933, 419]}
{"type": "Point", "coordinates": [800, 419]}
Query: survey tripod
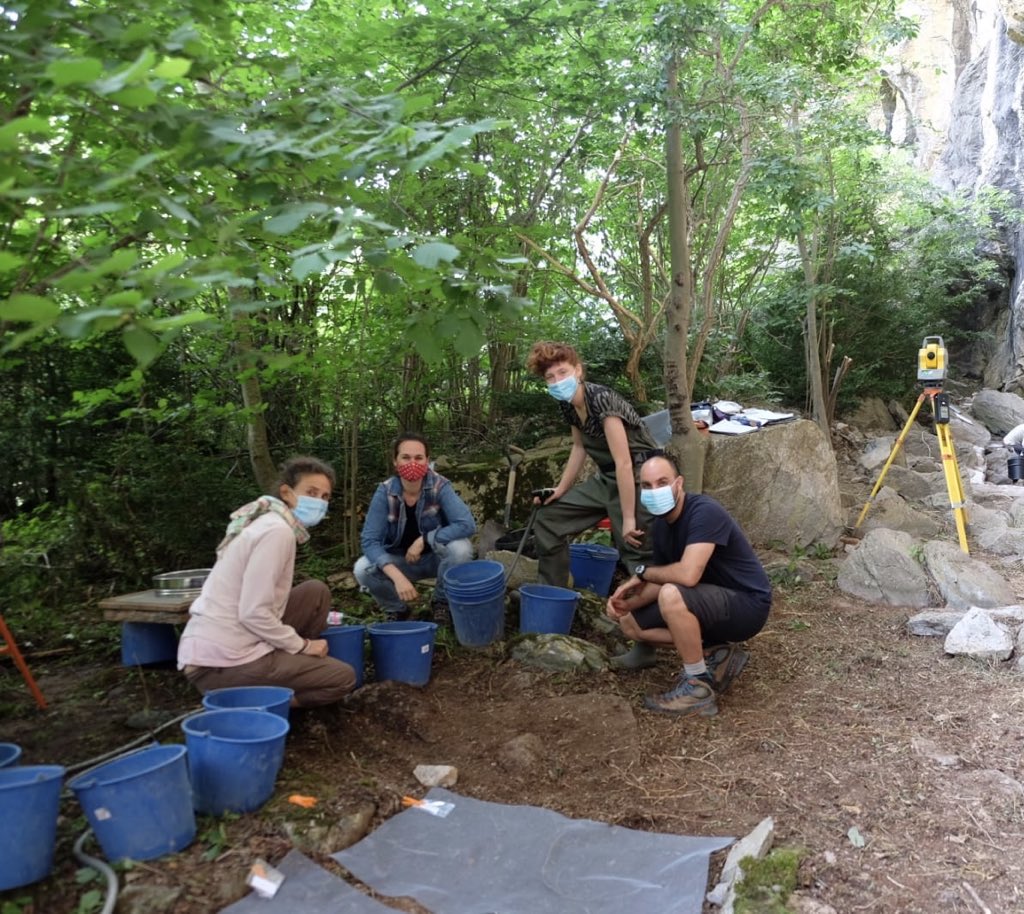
{"type": "Point", "coordinates": [931, 371]}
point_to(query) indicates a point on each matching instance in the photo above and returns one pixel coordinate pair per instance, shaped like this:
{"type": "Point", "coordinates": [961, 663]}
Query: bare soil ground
{"type": "Point", "coordinates": [827, 730]}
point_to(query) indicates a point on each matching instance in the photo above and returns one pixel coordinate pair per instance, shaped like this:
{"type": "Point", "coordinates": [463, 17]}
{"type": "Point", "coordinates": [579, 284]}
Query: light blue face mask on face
{"type": "Point", "coordinates": [658, 501]}
{"type": "Point", "coordinates": [564, 389]}
{"type": "Point", "coordinates": [310, 511]}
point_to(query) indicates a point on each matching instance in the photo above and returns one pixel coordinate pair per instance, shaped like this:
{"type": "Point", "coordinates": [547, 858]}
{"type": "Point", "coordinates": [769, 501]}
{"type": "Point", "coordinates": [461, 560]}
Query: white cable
{"type": "Point", "coordinates": [100, 867]}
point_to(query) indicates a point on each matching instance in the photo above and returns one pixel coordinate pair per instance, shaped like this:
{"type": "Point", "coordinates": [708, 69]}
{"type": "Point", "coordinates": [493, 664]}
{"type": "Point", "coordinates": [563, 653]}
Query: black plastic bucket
{"type": "Point", "coordinates": [1015, 467]}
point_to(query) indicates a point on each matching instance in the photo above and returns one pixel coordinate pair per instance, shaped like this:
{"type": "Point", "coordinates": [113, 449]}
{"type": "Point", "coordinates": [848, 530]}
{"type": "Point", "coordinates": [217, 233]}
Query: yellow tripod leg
{"type": "Point", "coordinates": [892, 456]}
{"type": "Point", "coordinates": [954, 483]}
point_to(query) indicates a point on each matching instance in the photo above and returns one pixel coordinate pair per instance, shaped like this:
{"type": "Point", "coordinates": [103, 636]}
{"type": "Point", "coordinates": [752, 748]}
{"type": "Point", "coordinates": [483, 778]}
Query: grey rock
{"type": "Point", "coordinates": [968, 430]}
{"type": "Point", "coordinates": [882, 570]}
{"type": "Point", "coordinates": [436, 775]}
{"type": "Point", "coordinates": [523, 753]}
{"type": "Point", "coordinates": [914, 485]}
{"type": "Point", "coordinates": [877, 452]}
{"type": "Point", "coordinates": [964, 581]}
{"type": "Point", "coordinates": [324, 838]}
{"type": "Point", "coordinates": [559, 653]}
{"type": "Point", "coordinates": [978, 635]}
{"type": "Point", "coordinates": [934, 622]}
{"type": "Point", "coordinates": [781, 484]}
{"type": "Point", "coordinates": [525, 571]}
{"type": "Point", "coordinates": [930, 751]}
{"type": "Point", "coordinates": [872, 414]}
{"type": "Point", "coordinates": [893, 513]}
{"type": "Point", "coordinates": [998, 411]}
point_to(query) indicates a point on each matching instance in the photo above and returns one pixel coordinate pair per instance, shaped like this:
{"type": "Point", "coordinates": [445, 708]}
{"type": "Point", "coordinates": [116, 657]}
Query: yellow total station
{"type": "Point", "coordinates": [931, 372]}
{"type": "Point", "coordinates": [931, 361]}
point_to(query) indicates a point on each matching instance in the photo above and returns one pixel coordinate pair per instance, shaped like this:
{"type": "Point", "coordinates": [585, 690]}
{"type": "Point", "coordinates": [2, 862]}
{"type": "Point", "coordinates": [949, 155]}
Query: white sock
{"type": "Point", "coordinates": [695, 669]}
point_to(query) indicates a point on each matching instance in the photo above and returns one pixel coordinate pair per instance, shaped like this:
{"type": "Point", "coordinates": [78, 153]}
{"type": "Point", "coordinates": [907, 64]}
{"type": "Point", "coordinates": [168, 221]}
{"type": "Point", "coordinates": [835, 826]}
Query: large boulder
{"type": "Point", "coordinates": [883, 569]}
{"type": "Point", "coordinates": [780, 484]}
{"type": "Point", "coordinates": [965, 581]}
{"type": "Point", "coordinates": [998, 411]}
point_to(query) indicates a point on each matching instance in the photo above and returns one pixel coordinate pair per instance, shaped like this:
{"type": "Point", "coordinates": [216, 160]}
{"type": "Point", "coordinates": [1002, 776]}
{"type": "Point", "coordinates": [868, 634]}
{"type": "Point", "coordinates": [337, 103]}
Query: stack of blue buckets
{"type": "Point", "coordinates": [476, 597]}
{"type": "Point", "coordinates": [142, 804]}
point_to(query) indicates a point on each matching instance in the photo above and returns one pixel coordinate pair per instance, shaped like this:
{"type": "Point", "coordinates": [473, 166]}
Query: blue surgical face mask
{"type": "Point", "coordinates": [564, 389]}
{"type": "Point", "coordinates": [309, 511]}
{"type": "Point", "coordinates": [658, 501]}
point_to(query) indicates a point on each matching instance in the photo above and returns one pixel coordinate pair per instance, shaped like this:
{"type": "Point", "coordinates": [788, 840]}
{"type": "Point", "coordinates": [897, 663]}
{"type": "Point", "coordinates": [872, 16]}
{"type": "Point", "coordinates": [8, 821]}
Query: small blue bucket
{"type": "Point", "coordinates": [275, 699]}
{"type": "Point", "coordinates": [545, 609]}
{"type": "Point", "coordinates": [29, 806]}
{"type": "Point", "coordinates": [143, 643]}
{"type": "Point", "coordinates": [478, 624]}
{"type": "Point", "coordinates": [9, 754]}
{"type": "Point", "coordinates": [593, 566]}
{"type": "Point", "coordinates": [403, 651]}
{"type": "Point", "coordinates": [138, 804]}
{"type": "Point", "coordinates": [233, 758]}
{"type": "Point", "coordinates": [345, 643]}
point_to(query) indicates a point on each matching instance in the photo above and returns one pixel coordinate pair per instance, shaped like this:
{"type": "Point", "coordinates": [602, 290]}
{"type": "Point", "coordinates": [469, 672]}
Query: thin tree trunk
{"type": "Point", "coordinates": [685, 439]}
{"type": "Point", "coordinates": [264, 470]}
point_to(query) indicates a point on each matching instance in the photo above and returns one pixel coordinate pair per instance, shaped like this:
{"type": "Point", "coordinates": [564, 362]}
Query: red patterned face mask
{"type": "Point", "coordinates": [412, 472]}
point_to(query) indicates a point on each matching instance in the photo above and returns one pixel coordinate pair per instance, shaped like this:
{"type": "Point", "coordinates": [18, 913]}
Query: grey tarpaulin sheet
{"type": "Point", "coordinates": [309, 889]}
{"type": "Point", "coordinates": [488, 858]}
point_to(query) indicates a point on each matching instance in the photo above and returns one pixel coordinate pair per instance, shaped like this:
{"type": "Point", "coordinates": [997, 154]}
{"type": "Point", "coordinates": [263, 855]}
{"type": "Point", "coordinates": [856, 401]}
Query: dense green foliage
{"type": "Point", "coordinates": [335, 220]}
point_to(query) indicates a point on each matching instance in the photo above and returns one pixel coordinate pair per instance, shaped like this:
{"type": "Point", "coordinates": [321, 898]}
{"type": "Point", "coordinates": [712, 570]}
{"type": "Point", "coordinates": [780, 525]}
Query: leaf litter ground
{"type": "Point", "coordinates": [843, 727]}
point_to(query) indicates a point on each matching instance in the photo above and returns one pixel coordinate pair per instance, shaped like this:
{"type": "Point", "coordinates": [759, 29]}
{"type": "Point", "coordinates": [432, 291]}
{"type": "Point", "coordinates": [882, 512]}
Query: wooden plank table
{"type": "Point", "coordinates": [147, 606]}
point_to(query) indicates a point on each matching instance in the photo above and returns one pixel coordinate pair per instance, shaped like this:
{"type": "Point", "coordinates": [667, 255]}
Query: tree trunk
{"type": "Point", "coordinates": [685, 443]}
{"type": "Point", "coordinates": [264, 470]}
{"type": "Point", "coordinates": [819, 410]}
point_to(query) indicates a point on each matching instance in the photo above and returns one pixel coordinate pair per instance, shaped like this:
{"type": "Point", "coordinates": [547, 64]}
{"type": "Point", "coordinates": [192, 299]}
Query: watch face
{"type": "Point", "coordinates": [639, 571]}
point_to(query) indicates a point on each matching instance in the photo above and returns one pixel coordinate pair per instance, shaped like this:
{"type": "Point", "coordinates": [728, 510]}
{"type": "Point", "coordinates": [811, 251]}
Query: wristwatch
{"type": "Point", "coordinates": [639, 571]}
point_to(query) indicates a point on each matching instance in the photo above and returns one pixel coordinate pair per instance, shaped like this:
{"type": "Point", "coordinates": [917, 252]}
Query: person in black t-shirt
{"type": "Point", "coordinates": [705, 590]}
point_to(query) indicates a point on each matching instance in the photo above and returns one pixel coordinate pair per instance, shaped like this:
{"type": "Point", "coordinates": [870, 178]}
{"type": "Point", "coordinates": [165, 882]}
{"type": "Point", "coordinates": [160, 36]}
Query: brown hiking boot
{"type": "Point", "coordinates": [695, 695]}
{"type": "Point", "coordinates": [725, 662]}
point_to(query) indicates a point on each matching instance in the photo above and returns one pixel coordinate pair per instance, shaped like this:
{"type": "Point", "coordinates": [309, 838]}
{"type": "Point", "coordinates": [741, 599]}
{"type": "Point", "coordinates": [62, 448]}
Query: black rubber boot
{"type": "Point", "coordinates": [640, 656]}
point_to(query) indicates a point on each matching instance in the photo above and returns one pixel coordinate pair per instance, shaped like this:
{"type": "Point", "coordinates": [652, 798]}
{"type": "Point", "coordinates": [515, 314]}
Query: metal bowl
{"type": "Point", "coordinates": [187, 583]}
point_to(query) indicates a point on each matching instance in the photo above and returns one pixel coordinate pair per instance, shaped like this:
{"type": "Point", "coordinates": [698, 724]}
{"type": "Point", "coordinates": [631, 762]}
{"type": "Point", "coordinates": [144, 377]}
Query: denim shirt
{"type": "Point", "coordinates": [442, 516]}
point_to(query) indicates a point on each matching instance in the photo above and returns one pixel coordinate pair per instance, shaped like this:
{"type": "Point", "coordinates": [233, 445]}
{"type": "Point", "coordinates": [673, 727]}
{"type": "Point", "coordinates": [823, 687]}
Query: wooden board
{"type": "Point", "coordinates": [146, 606]}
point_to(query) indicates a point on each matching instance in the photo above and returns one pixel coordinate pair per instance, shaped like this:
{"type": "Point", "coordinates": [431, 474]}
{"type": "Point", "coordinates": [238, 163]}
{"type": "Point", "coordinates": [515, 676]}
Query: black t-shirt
{"type": "Point", "coordinates": [411, 531]}
{"type": "Point", "coordinates": [733, 563]}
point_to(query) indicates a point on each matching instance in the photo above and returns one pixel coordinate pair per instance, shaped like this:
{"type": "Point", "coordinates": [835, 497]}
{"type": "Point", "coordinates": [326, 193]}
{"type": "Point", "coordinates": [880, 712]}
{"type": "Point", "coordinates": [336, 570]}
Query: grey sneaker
{"type": "Point", "coordinates": [725, 662]}
{"type": "Point", "coordinates": [695, 695]}
{"type": "Point", "coordinates": [640, 656]}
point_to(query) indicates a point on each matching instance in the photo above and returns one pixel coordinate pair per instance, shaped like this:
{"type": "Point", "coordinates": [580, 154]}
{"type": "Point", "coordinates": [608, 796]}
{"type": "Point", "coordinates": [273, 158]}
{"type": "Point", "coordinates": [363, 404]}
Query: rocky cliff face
{"type": "Point", "coordinates": [954, 95]}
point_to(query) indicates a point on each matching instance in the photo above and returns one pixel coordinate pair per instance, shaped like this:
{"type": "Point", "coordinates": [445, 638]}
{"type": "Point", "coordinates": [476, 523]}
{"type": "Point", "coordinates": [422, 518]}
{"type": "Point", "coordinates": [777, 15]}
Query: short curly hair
{"type": "Point", "coordinates": [546, 353]}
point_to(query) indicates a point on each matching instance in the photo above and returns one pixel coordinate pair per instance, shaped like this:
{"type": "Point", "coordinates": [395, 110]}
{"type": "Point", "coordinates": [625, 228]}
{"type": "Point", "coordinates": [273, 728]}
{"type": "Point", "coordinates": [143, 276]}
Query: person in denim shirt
{"type": "Point", "coordinates": [416, 527]}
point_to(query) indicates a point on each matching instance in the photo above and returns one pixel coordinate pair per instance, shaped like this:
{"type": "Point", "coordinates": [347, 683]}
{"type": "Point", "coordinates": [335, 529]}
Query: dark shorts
{"type": "Point", "coordinates": [724, 615]}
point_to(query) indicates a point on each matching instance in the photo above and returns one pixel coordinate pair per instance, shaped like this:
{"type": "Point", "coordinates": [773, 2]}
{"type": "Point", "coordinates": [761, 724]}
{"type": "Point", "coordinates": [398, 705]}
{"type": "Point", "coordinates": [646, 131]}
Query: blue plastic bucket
{"type": "Point", "coordinates": [478, 623]}
{"type": "Point", "coordinates": [275, 699]}
{"type": "Point", "coordinates": [138, 803]}
{"type": "Point", "coordinates": [345, 643]}
{"type": "Point", "coordinates": [29, 806]}
{"type": "Point", "coordinates": [403, 651]}
{"type": "Point", "coordinates": [593, 566]}
{"type": "Point", "coordinates": [9, 754]}
{"type": "Point", "coordinates": [148, 642]}
{"type": "Point", "coordinates": [545, 609]}
{"type": "Point", "coordinates": [233, 758]}
{"type": "Point", "coordinates": [481, 578]}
